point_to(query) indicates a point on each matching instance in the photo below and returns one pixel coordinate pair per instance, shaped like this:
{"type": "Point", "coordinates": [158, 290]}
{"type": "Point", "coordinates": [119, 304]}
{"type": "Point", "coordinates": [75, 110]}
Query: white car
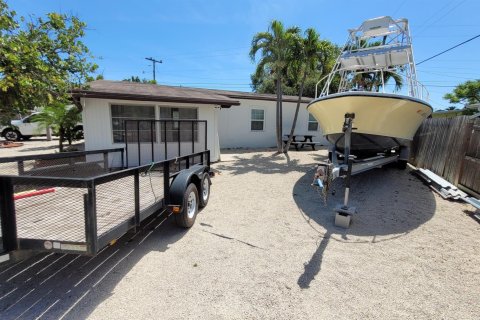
{"type": "Point", "coordinates": [26, 128]}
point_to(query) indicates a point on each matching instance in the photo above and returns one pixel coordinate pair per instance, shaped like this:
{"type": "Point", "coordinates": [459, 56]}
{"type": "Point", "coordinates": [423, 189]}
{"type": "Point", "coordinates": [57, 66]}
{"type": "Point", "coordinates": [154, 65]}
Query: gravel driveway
{"type": "Point", "coordinates": [266, 248]}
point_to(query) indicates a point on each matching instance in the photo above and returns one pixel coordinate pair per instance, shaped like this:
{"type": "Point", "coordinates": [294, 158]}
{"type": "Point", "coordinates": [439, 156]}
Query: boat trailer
{"type": "Point", "coordinates": [346, 165]}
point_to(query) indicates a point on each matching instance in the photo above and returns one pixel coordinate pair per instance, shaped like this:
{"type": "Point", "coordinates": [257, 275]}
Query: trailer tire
{"type": "Point", "coordinates": [186, 218]}
{"type": "Point", "coordinates": [204, 190]}
{"type": "Point", "coordinates": [402, 164]}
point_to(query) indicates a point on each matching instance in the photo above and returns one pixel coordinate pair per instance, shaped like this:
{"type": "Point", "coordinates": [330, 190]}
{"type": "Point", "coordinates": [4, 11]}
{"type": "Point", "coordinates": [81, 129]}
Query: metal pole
{"type": "Point", "coordinates": [126, 143]}
{"type": "Point", "coordinates": [151, 140]}
{"type": "Point", "coordinates": [138, 141]}
{"type": "Point", "coordinates": [193, 138]}
{"type": "Point", "coordinates": [136, 183]}
{"type": "Point", "coordinates": [91, 219]}
{"type": "Point", "coordinates": [347, 181]}
{"type": "Point", "coordinates": [165, 137]}
{"type": "Point", "coordinates": [178, 130]}
{"type": "Point", "coordinates": [206, 145]}
{"type": "Point", "coordinates": [166, 182]}
{"type": "Point", "coordinates": [347, 129]}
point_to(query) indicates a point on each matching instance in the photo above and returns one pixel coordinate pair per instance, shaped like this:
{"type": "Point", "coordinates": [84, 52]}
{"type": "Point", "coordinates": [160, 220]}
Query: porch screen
{"type": "Point", "coordinates": [174, 129]}
{"type": "Point", "coordinates": [122, 112]}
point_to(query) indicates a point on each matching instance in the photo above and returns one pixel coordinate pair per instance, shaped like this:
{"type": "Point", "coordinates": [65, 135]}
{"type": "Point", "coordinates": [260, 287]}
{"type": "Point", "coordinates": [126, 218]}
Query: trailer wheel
{"type": "Point", "coordinates": [204, 190]}
{"type": "Point", "coordinates": [186, 218]}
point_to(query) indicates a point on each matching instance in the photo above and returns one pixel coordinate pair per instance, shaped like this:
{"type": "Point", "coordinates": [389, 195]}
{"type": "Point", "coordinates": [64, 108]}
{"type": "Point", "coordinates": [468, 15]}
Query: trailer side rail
{"type": "Point", "coordinates": [84, 214]}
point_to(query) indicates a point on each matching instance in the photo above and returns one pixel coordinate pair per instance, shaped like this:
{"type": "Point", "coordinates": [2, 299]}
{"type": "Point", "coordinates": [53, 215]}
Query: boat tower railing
{"type": "Point", "coordinates": [379, 46]}
{"type": "Point", "coordinates": [416, 89]}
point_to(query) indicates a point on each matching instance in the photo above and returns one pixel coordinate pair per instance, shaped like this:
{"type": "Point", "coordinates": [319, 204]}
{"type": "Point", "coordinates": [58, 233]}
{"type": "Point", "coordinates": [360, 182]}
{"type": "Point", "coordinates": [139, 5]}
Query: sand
{"type": "Point", "coordinates": [266, 247]}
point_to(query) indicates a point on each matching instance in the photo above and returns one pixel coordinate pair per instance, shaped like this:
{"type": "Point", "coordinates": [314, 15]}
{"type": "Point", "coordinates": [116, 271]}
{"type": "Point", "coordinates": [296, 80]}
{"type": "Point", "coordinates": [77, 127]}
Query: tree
{"type": "Point", "coordinates": [40, 60]}
{"type": "Point", "coordinates": [137, 79]}
{"type": "Point", "coordinates": [466, 93]}
{"type": "Point", "coordinates": [63, 119]}
{"type": "Point", "coordinates": [276, 48]}
{"type": "Point", "coordinates": [309, 52]}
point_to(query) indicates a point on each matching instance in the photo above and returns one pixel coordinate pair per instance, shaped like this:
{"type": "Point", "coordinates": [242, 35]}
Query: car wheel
{"type": "Point", "coordinates": [12, 135]}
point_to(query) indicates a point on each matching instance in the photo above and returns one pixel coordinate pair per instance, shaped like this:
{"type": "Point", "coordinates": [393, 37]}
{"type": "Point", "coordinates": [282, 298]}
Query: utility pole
{"type": "Point", "coordinates": [154, 61]}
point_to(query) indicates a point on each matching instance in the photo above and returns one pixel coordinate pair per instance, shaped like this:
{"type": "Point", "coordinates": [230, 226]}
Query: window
{"type": "Point", "coordinates": [312, 123]}
{"type": "Point", "coordinates": [175, 128]}
{"type": "Point", "coordinates": [120, 113]}
{"type": "Point", "coordinates": [257, 120]}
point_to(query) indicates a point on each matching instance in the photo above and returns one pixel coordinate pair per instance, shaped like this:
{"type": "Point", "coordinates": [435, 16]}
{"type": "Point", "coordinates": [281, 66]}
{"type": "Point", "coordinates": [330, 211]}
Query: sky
{"type": "Point", "coordinates": [205, 43]}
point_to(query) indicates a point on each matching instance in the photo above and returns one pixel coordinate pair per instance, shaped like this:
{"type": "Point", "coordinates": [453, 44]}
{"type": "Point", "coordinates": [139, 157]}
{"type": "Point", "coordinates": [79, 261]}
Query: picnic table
{"type": "Point", "coordinates": [300, 141]}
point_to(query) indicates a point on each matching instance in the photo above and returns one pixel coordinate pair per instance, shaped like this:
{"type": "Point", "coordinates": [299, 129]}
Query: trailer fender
{"type": "Point", "coordinates": [180, 183]}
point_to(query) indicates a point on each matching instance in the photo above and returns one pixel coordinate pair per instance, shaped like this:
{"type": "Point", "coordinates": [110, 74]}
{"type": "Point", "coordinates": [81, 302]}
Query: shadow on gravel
{"type": "Point", "coordinates": [390, 203]}
{"type": "Point", "coordinates": [272, 163]}
{"type": "Point", "coordinates": [67, 286]}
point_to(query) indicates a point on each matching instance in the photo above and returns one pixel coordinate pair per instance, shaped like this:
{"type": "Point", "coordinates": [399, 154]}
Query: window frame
{"type": "Point", "coordinates": [256, 120]}
{"type": "Point", "coordinates": [312, 121]}
{"type": "Point", "coordinates": [111, 104]}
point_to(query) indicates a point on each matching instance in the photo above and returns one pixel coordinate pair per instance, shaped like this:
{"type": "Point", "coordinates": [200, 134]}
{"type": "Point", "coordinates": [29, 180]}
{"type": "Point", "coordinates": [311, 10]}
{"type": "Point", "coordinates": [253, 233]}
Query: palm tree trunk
{"type": "Point", "coordinates": [280, 129]}
{"type": "Point", "coordinates": [294, 123]}
{"type": "Point", "coordinates": [277, 116]}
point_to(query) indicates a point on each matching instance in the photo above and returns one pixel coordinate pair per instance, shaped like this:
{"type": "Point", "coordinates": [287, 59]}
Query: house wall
{"type": "Point", "coordinates": [97, 126]}
{"type": "Point", "coordinates": [235, 131]}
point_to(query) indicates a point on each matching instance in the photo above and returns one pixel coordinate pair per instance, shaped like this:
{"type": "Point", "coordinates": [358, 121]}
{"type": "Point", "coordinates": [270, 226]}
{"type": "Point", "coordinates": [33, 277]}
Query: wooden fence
{"type": "Point", "coordinates": [450, 147]}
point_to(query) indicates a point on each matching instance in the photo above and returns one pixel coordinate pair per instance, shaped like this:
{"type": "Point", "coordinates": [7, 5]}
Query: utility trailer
{"type": "Point", "coordinates": [80, 202]}
{"type": "Point", "coordinates": [344, 165]}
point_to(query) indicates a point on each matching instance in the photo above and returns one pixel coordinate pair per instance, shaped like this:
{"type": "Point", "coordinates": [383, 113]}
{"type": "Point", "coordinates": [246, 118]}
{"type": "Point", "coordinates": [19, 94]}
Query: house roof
{"type": "Point", "coordinates": [125, 90]}
{"type": "Point", "coordinates": [150, 92]}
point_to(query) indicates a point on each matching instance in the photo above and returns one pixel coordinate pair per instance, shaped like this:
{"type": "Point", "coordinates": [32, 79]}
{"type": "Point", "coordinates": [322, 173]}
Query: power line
{"type": "Point", "coordinates": [458, 45]}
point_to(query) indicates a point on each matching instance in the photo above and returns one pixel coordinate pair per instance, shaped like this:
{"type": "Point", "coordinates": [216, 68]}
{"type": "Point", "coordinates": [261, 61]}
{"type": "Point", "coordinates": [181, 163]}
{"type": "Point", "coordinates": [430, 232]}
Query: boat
{"type": "Point", "coordinates": [373, 81]}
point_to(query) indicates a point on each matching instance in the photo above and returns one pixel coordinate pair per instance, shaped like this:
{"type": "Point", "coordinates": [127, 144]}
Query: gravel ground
{"type": "Point", "coordinates": [266, 248]}
{"type": "Point", "coordinates": [37, 145]}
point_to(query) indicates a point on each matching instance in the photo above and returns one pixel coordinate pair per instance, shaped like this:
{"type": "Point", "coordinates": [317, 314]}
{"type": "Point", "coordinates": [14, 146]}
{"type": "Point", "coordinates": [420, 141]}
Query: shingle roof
{"type": "Point", "coordinates": [152, 92]}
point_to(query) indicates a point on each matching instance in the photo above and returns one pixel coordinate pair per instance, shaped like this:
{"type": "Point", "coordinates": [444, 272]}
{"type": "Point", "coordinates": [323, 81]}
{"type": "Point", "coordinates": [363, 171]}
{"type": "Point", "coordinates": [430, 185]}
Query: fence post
{"type": "Point", "coordinates": [21, 167]}
{"type": "Point", "coordinates": [151, 140]}
{"type": "Point", "coordinates": [90, 207]}
{"type": "Point", "coordinates": [136, 183]}
{"type": "Point", "coordinates": [466, 135]}
{"type": "Point", "coordinates": [178, 130]}
{"type": "Point", "coordinates": [7, 215]}
{"type": "Point", "coordinates": [138, 143]}
{"type": "Point", "coordinates": [125, 122]}
{"type": "Point", "coordinates": [105, 161]}
{"type": "Point", "coordinates": [166, 182]}
{"type": "Point", "coordinates": [165, 137]}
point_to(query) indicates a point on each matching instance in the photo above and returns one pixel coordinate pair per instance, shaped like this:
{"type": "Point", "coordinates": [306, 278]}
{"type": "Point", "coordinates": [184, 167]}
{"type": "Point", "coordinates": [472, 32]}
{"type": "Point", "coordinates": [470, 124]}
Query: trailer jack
{"type": "Point", "coordinates": [346, 168]}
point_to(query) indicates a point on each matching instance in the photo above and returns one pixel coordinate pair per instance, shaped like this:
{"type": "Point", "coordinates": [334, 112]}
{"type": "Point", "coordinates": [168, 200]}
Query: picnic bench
{"type": "Point", "coordinates": [300, 141]}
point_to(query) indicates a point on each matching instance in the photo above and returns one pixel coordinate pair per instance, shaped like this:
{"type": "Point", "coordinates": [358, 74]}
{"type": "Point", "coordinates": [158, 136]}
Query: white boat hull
{"type": "Point", "coordinates": [382, 121]}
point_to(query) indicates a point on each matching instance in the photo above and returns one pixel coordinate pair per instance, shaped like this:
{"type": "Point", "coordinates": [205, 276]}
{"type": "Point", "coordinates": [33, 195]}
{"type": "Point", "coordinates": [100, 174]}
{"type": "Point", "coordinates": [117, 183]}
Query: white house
{"type": "Point", "coordinates": [234, 119]}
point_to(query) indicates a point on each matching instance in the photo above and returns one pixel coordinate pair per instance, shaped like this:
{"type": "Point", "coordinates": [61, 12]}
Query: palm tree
{"type": "Point", "coordinates": [62, 118]}
{"type": "Point", "coordinates": [372, 81]}
{"type": "Point", "coordinates": [309, 55]}
{"type": "Point", "coordinates": [276, 48]}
